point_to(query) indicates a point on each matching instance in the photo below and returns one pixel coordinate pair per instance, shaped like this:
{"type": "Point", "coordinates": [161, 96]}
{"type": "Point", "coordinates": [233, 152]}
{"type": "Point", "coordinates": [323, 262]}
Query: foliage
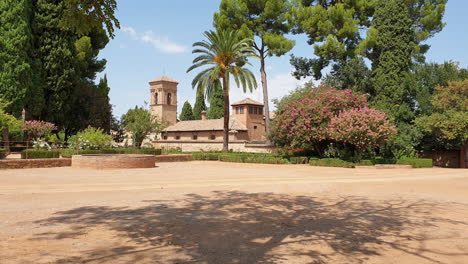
{"type": "Point", "coordinates": [3, 153]}
{"type": "Point", "coordinates": [38, 129]}
{"type": "Point", "coordinates": [302, 121]}
{"type": "Point", "coordinates": [335, 27]}
{"type": "Point", "coordinates": [416, 163]}
{"type": "Point", "coordinates": [117, 130]}
{"type": "Point", "coordinates": [363, 128]}
{"type": "Point", "coordinates": [352, 74]}
{"type": "Point", "coordinates": [85, 16]}
{"type": "Point", "coordinates": [7, 121]}
{"type": "Point", "coordinates": [328, 162]}
{"type": "Point", "coordinates": [449, 123]}
{"type": "Point", "coordinates": [90, 138]}
{"type": "Point", "coordinates": [15, 60]}
{"type": "Point", "coordinates": [187, 112]}
{"type": "Point", "coordinates": [140, 123]}
{"type": "Point", "coordinates": [224, 55]}
{"type": "Point", "coordinates": [261, 20]}
{"type": "Point", "coordinates": [68, 153]}
{"type": "Point", "coordinates": [40, 154]}
{"type": "Point", "coordinates": [299, 160]}
{"type": "Point", "coordinates": [200, 105]}
{"type": "Point", "coordinates": [216, 110]}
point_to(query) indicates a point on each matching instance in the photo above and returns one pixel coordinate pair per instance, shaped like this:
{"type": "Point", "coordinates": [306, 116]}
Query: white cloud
{"type": "Point", "coordinates": [163, 43]}
{"type": "Point", "coordinates": [130, 31]}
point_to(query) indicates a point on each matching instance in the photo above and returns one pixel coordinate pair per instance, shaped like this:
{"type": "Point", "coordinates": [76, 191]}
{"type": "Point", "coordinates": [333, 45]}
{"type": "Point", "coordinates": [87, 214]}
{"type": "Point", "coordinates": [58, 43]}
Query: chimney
{"type": "Point", "coordinates": [203, 115]}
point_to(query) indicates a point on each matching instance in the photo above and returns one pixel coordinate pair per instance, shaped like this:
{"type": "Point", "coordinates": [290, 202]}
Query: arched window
{"type": "Point", "coordinates": [156, 98]}
{"type": "Point", "coordinates": [169, 97]}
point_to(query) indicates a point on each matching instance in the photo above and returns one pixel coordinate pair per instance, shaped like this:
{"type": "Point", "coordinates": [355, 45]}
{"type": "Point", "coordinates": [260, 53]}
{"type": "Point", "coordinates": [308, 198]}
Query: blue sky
{"type": "Point", "coordinates": [156, 37]}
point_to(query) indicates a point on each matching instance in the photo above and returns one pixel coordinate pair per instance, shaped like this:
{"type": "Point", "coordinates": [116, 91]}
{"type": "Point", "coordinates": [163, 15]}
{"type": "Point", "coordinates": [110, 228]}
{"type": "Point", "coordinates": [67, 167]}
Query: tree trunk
{"type": "Point", "coordinates": [6, 140]}
{"type": "Point", "coordinates": [265, 94]}
{"type": "Point", "coordinates": [226, 114]}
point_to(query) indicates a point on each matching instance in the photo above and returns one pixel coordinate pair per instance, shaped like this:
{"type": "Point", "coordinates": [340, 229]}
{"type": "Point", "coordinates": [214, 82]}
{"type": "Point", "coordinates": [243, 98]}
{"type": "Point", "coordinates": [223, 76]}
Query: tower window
{"type": "Point", "coordinates": [241, 110]}
{"type": "Point", "coordinates": [250, 110]}
{"type": "Point", "coordinates": [256, 110]}
{"type": "Point", "coordinates": [177, 137]}
{"type": "Point", "coordinates": [212, 137]}
{"type": "Point", "coordinates": [237, 110]}
{"type": "Point", "coordinates": [260, 111]}
{"type": "Point", "coordinates": [156, 98]}
{"type": "Point", "coordinates": [165, 137]}
{"type": "Point", "coordinates": [255, 127]}
{"type": "Point", "coordinates": [169, 97]}
{"type": "Point", "coordinates": [195, 137]}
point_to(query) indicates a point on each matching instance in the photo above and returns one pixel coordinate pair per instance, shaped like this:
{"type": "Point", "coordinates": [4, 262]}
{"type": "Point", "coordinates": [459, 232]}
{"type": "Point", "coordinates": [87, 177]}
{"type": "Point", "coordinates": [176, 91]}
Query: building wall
{"type": "Point", "coordinates": [253, 121]}
{"type": "Point", "coordinates": [203, 136]}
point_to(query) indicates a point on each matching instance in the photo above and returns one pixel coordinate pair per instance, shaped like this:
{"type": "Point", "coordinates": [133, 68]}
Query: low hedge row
{"type": "Point", "coordinates": [240, 157]}
{"type": "Point", "coordinates": [331, 163]}
{"type": "Point", "coordinates": [3, 153]}
{"type": "Point", "coordinates": [68, 153]}
{"type": "Point", "coordinates": [416, 163]}
{"type": "Point", "coordinates": [40, 154]}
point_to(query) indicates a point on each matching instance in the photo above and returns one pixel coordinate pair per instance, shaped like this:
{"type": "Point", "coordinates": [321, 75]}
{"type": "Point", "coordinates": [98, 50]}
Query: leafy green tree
{"type": "Point", "coordinates": [15, 53]}
{"type": "Point", "coordinates": [352, 74]}
{"type": "Point", "coordinates": [7, 122]}
{"type": "Point", "coordinates": [267, 22]}
{"type": "Point", "coordinates": [90, 138]}
{"type": "Point", "coordinates": [187, 112]}
{"type": "Point", "coordinates": [216, 109]}
{"type": "Point", "coordinates": [200, 105]}
{"type": "Point", "coordinates": [140, 123]}
{"type": "Point", "coordinates": [83, 17]}
{"type": "Point", "coordinates": [449, 122]}
{"type": "Point", "coordinates": [225, 54]}
{"type": "Point", "coordinates": [335, 29]}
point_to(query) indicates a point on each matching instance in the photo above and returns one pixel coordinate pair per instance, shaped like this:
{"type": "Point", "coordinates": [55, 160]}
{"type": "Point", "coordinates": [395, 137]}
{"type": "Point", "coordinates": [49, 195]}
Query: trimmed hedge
{"type": "Point", "coordinates": [3, 153]}
{"type": "Point", "coordinates": [366, 163]}
{"type": "Point", "coordinates": [416, 163]}
{"type": "Point", "coordinates": [263, 159]}
{"type": "Point", "coordinates": [331, 163]}
{"type": "Point", "coordinates": [299, 160]}
{"type": "Point", "coordinates": [68, 153]}
{"type": "Point", "coordinates": [40, 154]}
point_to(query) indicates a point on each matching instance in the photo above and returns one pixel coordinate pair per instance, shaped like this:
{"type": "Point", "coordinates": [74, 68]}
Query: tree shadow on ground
{"type": "Point", "coordinates": [237, 227]}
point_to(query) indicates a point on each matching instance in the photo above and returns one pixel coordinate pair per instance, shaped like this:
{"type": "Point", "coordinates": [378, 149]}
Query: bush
{"type": "Point", "coordinates": [40, 154]}
{"type": "Point", "coordinates": [416, 163]}
{"type": "Point", "coordinates": [90, 138]}
{"type": "Point", "coordinates": [379, 160]}
{"type": "Point", "coordinates": [331, 163]}
{"type": "Point", "coordinates": [3, 153]}
{"type": "Point", "coordinates": [146, 151]}
{"type": "Point", "coordinates": [299, 160]}
{"type": "Point", "coordinates": [366, 163]}
{"type": "Point", "coordinates": [68, 153]}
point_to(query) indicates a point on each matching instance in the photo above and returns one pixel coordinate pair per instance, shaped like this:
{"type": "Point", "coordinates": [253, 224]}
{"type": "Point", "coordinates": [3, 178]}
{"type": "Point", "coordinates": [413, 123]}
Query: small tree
{"type": "Point", "coordinates": [38, 129]}
{"type": "Point", "coordinates": [449, 123]}
{"type": "Point", "coordinates": [199, 106]}
{"type": "Point", "coordinates": [216, 99]}
{"type": "Point", "coordinates": [363, 128]}
{"type": "Point", "coordinates": [140, 123]}
{"type": "Point", "coordinates": [90, 138]}
{"type": "Point", "coordinates": [7, 121]}
{"type": "Point", "coordinates": [187, 112]}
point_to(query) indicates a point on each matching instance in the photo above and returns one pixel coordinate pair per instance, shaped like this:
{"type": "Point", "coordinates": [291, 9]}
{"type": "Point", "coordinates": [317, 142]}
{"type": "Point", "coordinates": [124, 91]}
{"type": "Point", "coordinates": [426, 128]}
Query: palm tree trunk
{"type": "Point", "coordinates": [226, 114]}
{"type": "Point", "coordinates": [265, 93]}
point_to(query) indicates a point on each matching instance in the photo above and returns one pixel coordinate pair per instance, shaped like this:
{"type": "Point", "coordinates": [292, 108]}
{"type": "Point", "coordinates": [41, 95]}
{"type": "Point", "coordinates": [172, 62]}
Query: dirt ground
{"type": "Point", "coordinates": [223, 213]}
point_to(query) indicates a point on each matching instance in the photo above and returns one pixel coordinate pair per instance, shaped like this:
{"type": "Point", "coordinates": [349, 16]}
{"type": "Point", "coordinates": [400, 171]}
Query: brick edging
{"type": "Point", "coordinates": [34, 163]}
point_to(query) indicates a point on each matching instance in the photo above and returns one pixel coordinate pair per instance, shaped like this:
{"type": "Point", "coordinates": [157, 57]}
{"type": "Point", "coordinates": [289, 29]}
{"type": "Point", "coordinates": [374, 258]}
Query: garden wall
{"type": "Point", "coordinates": [173, 158]}
{"type": "Point", "coordinates": [34, 163]}
{"type": "Point", "coordinates": [446, 159]}
{"type": "Point", "coordinates": [190, 146]}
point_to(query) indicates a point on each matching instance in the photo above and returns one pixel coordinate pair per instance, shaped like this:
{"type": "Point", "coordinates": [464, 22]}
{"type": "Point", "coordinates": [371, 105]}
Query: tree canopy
{"type": "Point", "coordinates": [187, 112]}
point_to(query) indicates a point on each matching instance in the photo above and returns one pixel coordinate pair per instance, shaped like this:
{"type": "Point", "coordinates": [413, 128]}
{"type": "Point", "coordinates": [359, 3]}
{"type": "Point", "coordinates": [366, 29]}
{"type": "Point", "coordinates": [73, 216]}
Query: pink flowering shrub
{"type": "Point", "coordinates": [38, 129]}
{"type": "Point", "coordinates": [364, 128]}
{"type": "Point", "coordinates": [302, 121]}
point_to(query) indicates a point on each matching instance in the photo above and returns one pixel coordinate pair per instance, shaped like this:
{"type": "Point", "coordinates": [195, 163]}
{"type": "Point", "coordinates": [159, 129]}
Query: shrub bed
{"type": "Point", "coordinates": [416, 163]}
{"type": "Point", "coordinates": [299, 160]}
{"type": "Point", "coordinates": [68, 153]}
{"type": "Point", "coordinates": [40, 154]}
{"type": "Point", "coordinates": [331, 163]}
{"type": "Point", "coordinates": [3, 153]}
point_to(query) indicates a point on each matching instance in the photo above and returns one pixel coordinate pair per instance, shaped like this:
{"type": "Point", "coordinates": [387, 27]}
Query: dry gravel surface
{"type": "Point", "coordinates": [226, 213]}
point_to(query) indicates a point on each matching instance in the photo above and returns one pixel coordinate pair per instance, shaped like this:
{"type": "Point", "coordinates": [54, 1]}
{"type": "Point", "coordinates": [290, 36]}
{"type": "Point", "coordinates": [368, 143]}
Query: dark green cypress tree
{"type": "Point", "coordinates": [392, 59]}
{"type": "Point", "coordinates": [199, 106]}
{"type": "Point", "coordinates": [16, 75]}
{"type": "Point", "coordinates": [187, 112]}
{"type": "Point", "coordinates": [216, 100]}
{"type": "Point", "coordinates": [56, 49]}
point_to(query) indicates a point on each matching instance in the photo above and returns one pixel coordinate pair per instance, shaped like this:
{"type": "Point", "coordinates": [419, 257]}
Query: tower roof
{"type": "Point", "coordinates": [164, 78]}
{"type": "Point", "coordinates": [247, 101]}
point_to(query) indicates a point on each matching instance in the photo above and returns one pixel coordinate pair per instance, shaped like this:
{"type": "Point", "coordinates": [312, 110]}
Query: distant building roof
{"type": "Point", "coordinates": [247, 101]}
{"type": "Point", "coordinates": [206, 125]}
{"type": "Point", "coordinates": [164, 78]}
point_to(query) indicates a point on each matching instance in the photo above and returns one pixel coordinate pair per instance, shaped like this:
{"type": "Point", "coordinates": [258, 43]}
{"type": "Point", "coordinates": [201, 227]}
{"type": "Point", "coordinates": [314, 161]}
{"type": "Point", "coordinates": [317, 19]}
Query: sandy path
{"type": "Point", "coordinates": [212, 212]}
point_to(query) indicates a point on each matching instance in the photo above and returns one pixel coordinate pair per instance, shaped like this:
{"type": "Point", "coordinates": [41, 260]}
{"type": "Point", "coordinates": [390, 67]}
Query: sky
{"type": "Point", "coordinates": [156, 38]}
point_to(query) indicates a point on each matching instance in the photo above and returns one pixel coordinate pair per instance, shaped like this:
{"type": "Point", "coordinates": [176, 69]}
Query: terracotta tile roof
{"type": "Point", "coordinates": [206, 125]}
{"type": "Point", "coordinates": [247, 101]}
{"type": "Point", "coordinates": [164, 78]}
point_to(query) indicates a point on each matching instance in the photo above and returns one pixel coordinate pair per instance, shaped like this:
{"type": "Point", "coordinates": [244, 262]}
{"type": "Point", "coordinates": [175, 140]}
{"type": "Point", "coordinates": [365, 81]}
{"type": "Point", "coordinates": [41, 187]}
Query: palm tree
{"type": "Point", "coordinates": [225, 54]}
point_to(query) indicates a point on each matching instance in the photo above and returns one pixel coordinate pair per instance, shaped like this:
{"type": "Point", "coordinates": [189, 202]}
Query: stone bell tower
{"type": "Point", "coordinates": [164, 99]}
